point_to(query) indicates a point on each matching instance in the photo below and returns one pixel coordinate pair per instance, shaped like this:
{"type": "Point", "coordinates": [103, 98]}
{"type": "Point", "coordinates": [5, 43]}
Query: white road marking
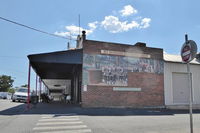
{"type": "Point", "coordinates": [60, 127]}
{"type": "Point", "coordinates": [58, 123]}
{"type": "Point", "coordinates": [71, 119]}
{"type": "Point", "coordinates": [48, 117]}
{"type": "Point", "coordinates": [71, 131]}
{"type": "Point", "coordinates": [72, 114]}
{"type": "Point", "coordinates": [61, 123]}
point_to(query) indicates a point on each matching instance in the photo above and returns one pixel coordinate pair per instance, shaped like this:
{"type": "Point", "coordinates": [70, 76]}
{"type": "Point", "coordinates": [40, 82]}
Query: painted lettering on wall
{"type": "Point", "coordinates": [113, 70]}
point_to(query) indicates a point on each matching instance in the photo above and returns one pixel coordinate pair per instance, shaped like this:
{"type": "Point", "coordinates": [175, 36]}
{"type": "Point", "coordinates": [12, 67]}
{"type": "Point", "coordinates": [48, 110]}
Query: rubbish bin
{"type": "Point", "coordinates": [34, 99]}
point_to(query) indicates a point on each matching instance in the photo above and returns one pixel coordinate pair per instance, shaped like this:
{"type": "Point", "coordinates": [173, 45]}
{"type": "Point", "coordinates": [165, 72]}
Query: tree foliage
{"type": "Point", "coordinates": [25, 85]}
{"type": "Point", "coordinates": [5, 82]}
{"type": "Point", "coordinates": [11, 90]}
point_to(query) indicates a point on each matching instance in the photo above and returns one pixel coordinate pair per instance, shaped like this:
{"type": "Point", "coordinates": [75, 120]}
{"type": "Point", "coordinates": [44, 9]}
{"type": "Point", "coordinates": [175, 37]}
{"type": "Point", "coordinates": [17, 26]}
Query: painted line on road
{"type": "Point", "coordinates": [70, 119]}
{"type": "Point", "coordinates": [58, 123]}
{"type": "Point", "coordinates": [71, 131]}
{"type": "Point", "coordinates": [60, 127]}
{"type": "Point", "coordinates": [48, 117]}
{"type": "Point", "coordinates": [72, 114]}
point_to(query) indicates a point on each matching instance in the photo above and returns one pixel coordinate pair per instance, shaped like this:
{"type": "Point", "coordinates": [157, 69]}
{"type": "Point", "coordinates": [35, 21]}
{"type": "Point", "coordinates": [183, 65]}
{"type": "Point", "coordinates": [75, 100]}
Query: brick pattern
{"type": "Point", "coordinates": [95, 47]}
{"type": "Point", "coordinates": [151, 94]}
{"type": "Point", "coordinates": [152, 85]}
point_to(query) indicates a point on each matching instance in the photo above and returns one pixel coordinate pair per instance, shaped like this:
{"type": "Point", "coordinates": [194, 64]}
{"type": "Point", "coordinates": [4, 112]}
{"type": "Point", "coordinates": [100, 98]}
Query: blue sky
{"type": "Point", "coordinates": [159, 23]}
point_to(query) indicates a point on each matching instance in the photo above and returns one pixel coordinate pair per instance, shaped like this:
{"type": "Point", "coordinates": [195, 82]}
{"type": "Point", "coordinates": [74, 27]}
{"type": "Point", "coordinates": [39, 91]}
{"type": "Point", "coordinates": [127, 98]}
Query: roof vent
{"type": "Point", "coordinates": [140, 44]}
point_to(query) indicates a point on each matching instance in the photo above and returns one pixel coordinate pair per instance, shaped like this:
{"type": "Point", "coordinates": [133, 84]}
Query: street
{"type": "Point", "coordinates": [62, 118]}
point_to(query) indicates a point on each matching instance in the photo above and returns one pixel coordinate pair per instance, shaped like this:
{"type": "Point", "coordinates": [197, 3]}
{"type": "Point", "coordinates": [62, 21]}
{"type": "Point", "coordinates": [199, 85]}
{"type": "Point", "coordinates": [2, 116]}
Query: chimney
{"type": "Point", "coordinates": [84, 35]}
{"type": "Point", "coordinates": [140, 44]}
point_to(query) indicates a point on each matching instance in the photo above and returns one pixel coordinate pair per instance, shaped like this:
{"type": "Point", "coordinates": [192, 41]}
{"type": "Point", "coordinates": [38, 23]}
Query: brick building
{"type": "Point", "coordinates": [105, 74]}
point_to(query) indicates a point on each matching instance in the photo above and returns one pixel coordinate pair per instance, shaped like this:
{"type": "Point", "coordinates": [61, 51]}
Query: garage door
{"type": "Point", "coordinates": [180, 88]}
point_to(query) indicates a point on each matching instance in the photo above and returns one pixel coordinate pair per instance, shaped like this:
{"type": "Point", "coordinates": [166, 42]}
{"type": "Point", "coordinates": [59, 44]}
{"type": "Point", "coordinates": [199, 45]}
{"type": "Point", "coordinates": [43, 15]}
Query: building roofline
{"type": "Point", "coordinates": [177, 59]}
{"type": "Point", "coordinates": [131, 45]}
{"type": "Point", "coordinates": [55, 52]}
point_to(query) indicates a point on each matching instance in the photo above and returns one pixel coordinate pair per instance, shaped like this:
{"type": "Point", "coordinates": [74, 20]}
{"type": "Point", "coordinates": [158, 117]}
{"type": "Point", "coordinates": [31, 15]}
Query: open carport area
{"type": "Point", "coordinates": [60, 72]}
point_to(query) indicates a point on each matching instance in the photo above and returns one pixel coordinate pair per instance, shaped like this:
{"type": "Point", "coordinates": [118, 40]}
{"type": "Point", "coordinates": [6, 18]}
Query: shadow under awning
{"type": "Point", "coordinates": [56, 65]}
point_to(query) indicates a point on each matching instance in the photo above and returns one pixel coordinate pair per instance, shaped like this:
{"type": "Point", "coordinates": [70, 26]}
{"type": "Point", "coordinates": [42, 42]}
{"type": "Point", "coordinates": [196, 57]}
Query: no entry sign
{"type": "Point", "coordinates": [188, 51]}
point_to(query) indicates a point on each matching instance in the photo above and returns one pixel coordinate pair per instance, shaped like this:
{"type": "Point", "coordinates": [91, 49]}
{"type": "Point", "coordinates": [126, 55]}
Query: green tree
{"type": "Point", "coordinates": [11, 90]}
{"type": "Point", "coordinates": [25, 85]}
{"type": "Point", "coordinates": [5, 82]}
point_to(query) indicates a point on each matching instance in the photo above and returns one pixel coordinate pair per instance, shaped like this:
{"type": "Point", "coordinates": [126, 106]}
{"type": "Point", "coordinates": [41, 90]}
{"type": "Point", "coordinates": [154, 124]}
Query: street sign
{"type": "Point", "coordinates": [188, 51]}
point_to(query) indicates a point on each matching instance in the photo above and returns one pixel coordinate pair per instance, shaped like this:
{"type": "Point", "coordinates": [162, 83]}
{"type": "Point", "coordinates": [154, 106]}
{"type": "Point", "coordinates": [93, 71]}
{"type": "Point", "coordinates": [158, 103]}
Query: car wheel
{"type": "Point", "coordinates": [13, 100]}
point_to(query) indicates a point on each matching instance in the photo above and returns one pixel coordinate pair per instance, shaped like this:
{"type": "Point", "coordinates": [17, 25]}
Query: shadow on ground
{"type": "Point", "coordinates": [61, 108]}
{"type": "Point", "coordinates": [19, 109]}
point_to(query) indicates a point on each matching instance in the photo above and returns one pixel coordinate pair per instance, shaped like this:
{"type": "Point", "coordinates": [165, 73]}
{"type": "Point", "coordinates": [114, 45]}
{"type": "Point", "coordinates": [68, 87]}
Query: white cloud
{"type": "Point", "coordinates": [65, 34]}
{"type": "Point", "coordinates": [73, 30]}
{"type": "Point", "coordinates": [114, 25]}
{"type": "Point", "coordinates": [128, 10]}
{"type": "Point", "coordinates": [93, 25]}
{"type": "Point", "coordinates": [110, 23]}
{"type": "Point", "coordinates": [145, 23]}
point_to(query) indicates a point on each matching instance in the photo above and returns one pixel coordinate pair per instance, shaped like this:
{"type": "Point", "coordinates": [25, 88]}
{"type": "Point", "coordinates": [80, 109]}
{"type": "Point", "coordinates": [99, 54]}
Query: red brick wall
{"type": "Point", "coordinates": [152, 85]}
{"type": "Point", "coordinates": [151, 94]}
{"type": "Point", "coordinates": [95, 77]}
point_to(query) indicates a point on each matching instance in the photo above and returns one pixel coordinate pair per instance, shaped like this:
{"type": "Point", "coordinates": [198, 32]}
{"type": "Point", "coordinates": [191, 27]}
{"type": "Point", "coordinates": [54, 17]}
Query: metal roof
{"type": "Point", "coordinates": [176, 59]}
{"type": "Point", "coordinates": [66, 57]}
{"type": "Point", "coordinates": [56, 68]}
{"type": "Point", "coordinates": [56, 65]}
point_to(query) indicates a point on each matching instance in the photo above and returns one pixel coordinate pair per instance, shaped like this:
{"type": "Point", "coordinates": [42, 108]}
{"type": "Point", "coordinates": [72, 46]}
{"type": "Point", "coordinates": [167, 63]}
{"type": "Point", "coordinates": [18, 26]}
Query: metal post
{"type": "Point", "coordinates": [40, 88]}
{"type": "Point", "coordinates": [190, 88]}
{"type": "Point", "coordinates": [36, 84]}
{"type": "Point", "coordinates": [191, 97]}
{"type": "Point", "coordinates": [29, 76]}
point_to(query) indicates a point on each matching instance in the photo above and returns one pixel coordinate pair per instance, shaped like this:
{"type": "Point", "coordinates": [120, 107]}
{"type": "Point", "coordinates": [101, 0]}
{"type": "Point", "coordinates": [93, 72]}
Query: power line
{"type": "Point", "coordinates": [33, 28]}
{"type": "Point", "coordinates": [15, 57]}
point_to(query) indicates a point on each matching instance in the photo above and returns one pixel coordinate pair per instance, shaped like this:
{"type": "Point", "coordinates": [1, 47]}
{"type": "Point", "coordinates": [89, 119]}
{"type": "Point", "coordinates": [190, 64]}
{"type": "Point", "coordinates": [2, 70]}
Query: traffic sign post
{"type": "Point", "coordinates": [188, 53]}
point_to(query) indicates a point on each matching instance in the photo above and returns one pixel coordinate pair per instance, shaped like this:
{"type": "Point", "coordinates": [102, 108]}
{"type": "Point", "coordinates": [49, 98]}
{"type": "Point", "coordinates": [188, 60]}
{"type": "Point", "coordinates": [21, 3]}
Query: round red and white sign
{"type": "Point", "coordinates": [185, 53]}
{"type": "Point", "coordinates": [188, 51]}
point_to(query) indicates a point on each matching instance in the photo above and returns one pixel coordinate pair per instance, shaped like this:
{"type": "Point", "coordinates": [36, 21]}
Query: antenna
{"type": "Point", "coordinates": [70, 37]}
{"type": "Point", "coordinates": [79, 24]}
{"type": "Point", "coordinates": [68, 46]}
{"type": "Point", "coordinates": [69, 43]}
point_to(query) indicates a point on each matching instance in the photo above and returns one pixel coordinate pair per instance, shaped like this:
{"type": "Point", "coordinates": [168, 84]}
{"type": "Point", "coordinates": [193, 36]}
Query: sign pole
{"type": "Point", "coordinates": [190, 88]}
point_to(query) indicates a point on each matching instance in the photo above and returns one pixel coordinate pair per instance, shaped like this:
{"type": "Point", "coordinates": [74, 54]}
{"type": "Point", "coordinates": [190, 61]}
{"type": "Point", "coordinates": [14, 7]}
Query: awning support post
{"type": "Point", "coordinates": [36, 84]}
{"type": "Point", "coordinates": [29, 77]}
{"type": "Point", "coordinates": [40, 83]}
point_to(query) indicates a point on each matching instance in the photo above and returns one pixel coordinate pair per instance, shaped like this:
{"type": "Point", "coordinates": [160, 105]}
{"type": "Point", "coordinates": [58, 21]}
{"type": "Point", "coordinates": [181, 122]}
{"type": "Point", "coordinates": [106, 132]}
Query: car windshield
{"type": "Point", "coordinates": [22, 90]}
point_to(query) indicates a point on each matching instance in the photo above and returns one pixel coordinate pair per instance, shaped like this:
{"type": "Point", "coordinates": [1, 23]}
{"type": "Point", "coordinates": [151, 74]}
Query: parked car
{"type": "Point", "coordinates": [20, 95]}
{"type": "Point", "coordinates": [3, 95]}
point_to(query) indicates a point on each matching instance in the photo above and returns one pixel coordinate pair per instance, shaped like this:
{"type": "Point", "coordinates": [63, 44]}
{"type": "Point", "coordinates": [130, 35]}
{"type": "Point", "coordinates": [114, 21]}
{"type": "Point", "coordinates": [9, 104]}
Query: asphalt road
{"type": "Point", "coordinates": [62, 118]}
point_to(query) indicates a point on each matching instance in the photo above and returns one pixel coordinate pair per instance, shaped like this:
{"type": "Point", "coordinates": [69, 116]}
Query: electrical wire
{"type": "Point", "coordinates": [35, 29]}
{"type": "Point", "coordinates": [14, 57]}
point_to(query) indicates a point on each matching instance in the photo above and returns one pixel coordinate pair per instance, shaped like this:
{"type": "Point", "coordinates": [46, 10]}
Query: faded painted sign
{"type": "Point", "coordinates": [113, 70]}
